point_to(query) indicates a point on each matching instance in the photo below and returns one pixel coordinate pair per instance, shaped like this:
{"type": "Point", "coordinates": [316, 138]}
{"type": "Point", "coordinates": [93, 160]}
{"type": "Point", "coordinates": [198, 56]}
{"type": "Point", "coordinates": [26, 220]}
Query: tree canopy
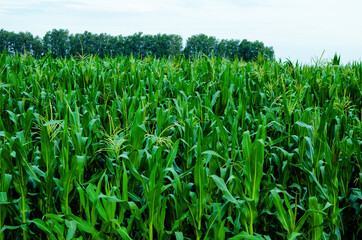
{"type": "Point", "coordinates": [63, 44]}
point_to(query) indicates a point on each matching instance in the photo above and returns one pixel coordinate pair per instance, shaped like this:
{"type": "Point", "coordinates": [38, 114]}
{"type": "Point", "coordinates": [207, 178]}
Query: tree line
{"type": "Point", "coordinates": [60, 43]}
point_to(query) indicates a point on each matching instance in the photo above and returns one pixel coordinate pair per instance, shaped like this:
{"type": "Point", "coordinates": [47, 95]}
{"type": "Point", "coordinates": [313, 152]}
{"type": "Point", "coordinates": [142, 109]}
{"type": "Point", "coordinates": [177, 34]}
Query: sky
{"type": "Point", "coordinates": [303, 30]}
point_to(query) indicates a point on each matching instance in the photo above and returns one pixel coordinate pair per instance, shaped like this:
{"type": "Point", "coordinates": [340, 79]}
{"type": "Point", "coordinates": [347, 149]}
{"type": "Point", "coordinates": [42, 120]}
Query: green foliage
{"type": "Point", "coordinates": [199, 44]}
{"type": "Point", "coordinates": [62, 44]}
{"type": "Point", "coordinates": [231, 49]}
{"type": "Point", "coordinates": [169, 148]}
{"type": "Point", "coordinates": [56, 41]}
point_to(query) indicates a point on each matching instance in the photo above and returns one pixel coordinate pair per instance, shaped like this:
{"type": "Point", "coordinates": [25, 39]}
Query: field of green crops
{"type": "Point", "coordinates": [129, 148]}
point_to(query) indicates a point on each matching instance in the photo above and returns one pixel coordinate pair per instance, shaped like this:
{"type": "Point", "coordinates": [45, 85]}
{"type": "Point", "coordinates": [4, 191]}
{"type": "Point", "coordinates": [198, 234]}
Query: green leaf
{"type": "Point", "coordinates": [84, 226]}
{"type": "Point", "coordinates": [172, 155]}
{"type": "Point", "coordinates": [319, 187]}
{"type": "Point", "coordinates": [72, 227]}
{"type": "Point", "coordinates": [179, 235]}
{"type": "Point", "coordinates": [123, 233]}
{"type": "Point", "coordinates": [222, 186]}
{"type": "Point", "coordinates": [52, 122]}
{"type": "Point", "coordinates": [212, 153]}
{"type": "Point", "coordinates": [281, 213]}
{"type": "Point", "coordinates": [41, 225]}
{"type": "Point", "coordinates": [215, 216]}
{"type": "Point", "coordinates": [294, 235]}
{"type": "Point", "coordinates": [244, 235]}
{"type": "Point", "coordinates": [22, 157]}
{"type": "Point", "coordinates": [214, 98]}
{"type": "Point", "coordinates": [7, 227]}
{"type": "Point", "coordinates": [3, 198]}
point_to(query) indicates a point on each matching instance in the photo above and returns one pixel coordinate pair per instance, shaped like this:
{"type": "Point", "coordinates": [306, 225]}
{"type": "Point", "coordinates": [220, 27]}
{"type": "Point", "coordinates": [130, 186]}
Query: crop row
{"type": "Point", "coordinates": [176, 149]}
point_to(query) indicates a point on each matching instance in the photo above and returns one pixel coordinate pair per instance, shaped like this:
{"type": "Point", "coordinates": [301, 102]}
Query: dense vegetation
{"type": "Point", "coordinates": [62, 44]}
{"type": "Point", "coordinates": [150, 148]}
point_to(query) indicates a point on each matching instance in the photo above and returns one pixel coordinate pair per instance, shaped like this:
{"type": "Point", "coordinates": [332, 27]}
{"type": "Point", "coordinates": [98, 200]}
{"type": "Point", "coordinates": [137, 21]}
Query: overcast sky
{"type": "Point", "coordinates": [298, 30]}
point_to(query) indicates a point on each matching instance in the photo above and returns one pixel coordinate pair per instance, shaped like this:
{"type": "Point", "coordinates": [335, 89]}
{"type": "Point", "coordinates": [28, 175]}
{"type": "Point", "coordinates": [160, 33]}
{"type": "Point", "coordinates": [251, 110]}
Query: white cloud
{"type": "Point", "coordinates": [295, 28]}
{"type": "Point", "coordinates": [114, 5]}
{"type": "Point", "coordinates": [26, 3]}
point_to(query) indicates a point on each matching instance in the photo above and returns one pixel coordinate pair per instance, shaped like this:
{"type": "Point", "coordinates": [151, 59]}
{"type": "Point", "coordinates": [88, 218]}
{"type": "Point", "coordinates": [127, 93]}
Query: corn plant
{"type": "Point", "coordinates": [178, 148]}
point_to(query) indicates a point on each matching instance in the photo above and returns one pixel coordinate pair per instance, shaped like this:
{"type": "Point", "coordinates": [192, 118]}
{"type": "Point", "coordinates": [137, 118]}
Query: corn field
{"type": "Point", "coordinates": [131, 148]}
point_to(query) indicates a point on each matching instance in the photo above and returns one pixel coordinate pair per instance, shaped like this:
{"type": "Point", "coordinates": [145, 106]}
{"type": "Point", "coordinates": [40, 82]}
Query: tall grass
{"type": "Point", "coordinates": [176, 149]}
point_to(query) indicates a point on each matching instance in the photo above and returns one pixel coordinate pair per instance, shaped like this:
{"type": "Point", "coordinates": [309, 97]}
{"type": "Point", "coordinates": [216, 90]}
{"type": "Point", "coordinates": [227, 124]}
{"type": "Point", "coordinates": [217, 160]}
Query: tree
{"type": "Point", "coordinates": [250, 50]}
{"type": "Point", "coordinates": [88, 43]}
{"type": "Point", "coordinates": [62, 44]}
{"type": "Point", "coordinates": [245, 50]}
{"type": "Point", "coordinates": [57, 41]}
{"type": "Point", "coordinates": [228, 48]}
{"type": "Point", "coordinates": [4, 40]}
{"type": "Point", "coordinates": [37, 47]}
{"type": "Point", "coordinates": [75, 44]}
{"type": "Point", "coordinates": [134, 44]}
{"type": "Point", "coordinates": [10, 39]}
{"type": "Point", "coordinates": [174, 44]}
{"type": "Point", "coordinates": [269, 52]}
{"type": "Point", "coordinates": [103, 46]}
{"type": "Point", "coordinates": [198, 44]}
{"type": "Point", "coordinates": [117, 45]}
{"type": "Point", "coordinates": [22, 42]}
